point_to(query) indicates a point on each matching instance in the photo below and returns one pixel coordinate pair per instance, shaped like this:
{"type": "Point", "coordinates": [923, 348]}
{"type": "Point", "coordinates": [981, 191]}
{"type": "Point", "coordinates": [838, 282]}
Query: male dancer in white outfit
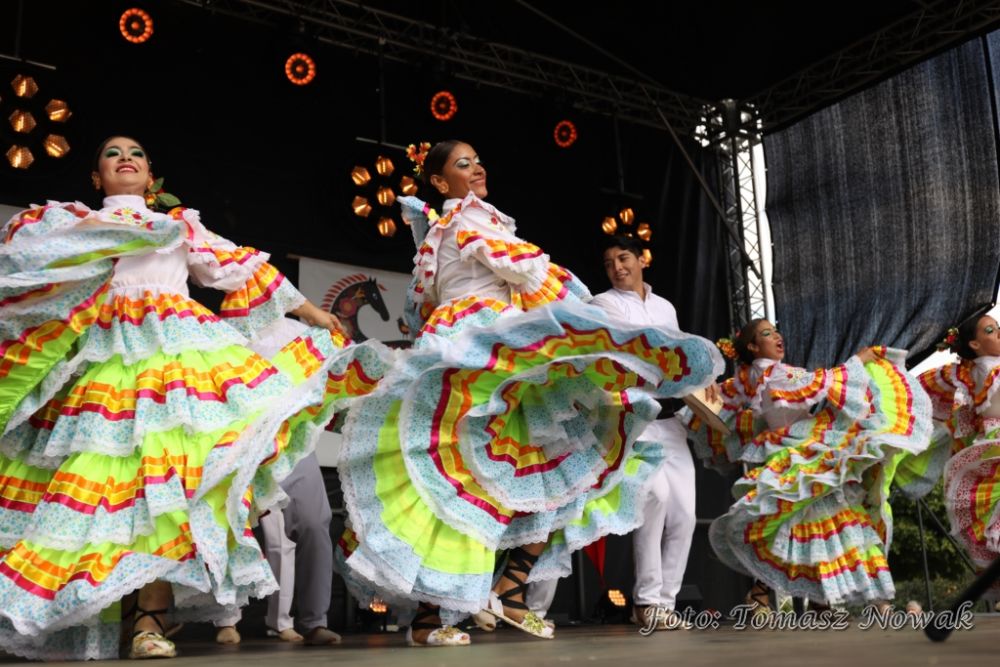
{"type": "Point", "coordinates": [661, 545]}
{"type": "Point", "coordinates": [299, 538]}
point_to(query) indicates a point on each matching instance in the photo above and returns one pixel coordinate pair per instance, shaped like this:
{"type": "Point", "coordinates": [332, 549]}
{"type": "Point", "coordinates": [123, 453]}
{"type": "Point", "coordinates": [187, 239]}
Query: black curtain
{"type": "Point", "coordinates": [884, 210]}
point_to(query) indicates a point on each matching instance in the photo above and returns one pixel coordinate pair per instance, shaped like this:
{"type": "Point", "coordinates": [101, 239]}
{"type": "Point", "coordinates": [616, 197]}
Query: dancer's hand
{"type": "Point", "coordinates": [316, 317]}
{"type": "Point", "coordinates": [868, 354]}
{"type": "Point", "coordinates": [712, 393]}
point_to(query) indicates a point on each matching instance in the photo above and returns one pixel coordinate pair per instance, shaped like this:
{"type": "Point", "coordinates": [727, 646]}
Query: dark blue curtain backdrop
{"type": "Point", "coordinates": [885, 210]}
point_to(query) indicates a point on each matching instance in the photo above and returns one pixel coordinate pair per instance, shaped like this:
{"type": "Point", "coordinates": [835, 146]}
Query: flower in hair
{"type": "Point", "coordinates": [727, 347]}
{"type": "Point", "coordinates": [418, 155]}
{"type": "Point", "coordinates": [157, 198]}
{"type": "Point", "coordinates": [949, 340]}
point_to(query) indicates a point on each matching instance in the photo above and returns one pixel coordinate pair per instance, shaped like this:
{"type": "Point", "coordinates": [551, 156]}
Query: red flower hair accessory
{"type": "Point", "coordinates": [727, 347]}
{"type": "Point", "coordinates": [418, 155]}
{"type": "Point", "coordinates": [949, 340]}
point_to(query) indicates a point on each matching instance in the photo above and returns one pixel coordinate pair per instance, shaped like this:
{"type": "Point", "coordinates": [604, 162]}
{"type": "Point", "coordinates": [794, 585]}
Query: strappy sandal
{"type": "Point", "coordinates": [759, 597]}
{"type": "Point", "coordinates": [440, 635]}
{"type": "Point", "coordinates": [128, 621]}
{"type": "Point", "coordinates": [519, 561]}
{"type": "Point", "coordinates": [147, 644]}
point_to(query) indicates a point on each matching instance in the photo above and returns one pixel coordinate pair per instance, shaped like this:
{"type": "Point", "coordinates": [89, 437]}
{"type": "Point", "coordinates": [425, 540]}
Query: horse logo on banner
{"type": "Point", "coordinates": [345, 299]}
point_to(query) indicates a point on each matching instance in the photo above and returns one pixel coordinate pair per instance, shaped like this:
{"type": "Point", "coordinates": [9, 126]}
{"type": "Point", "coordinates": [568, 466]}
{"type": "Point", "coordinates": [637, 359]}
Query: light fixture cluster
{"type": "Point", "coordinates": [25, 124]}
{"type": "Point", "coordinates": [564, 134]}
{"type": "Point", "coordinates": [300, 69]}
{"type": "Point", "coordinates": [135, 25]}
{"type": "Point", "coordinates": [384, 195]}
{"type": "Point", "coordinates": [626, 218]}
{"type": "Point", "coordinates": [444, 106]}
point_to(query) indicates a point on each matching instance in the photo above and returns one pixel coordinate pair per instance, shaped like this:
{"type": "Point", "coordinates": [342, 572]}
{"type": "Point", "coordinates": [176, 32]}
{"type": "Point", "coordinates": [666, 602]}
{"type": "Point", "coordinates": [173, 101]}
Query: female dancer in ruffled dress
{"type": "Point", "coordinates": [511, 423]}
{"type": "Point", "coordinates": [811, 516]}
{"type": "Point", "coordinates": [966, 439]}
{"type": "Point", "coordinates": [140, 436]}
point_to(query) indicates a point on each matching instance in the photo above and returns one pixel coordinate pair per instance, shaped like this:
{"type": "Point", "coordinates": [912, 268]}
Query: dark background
{"type": "Point", "coordinates": [267, 163]}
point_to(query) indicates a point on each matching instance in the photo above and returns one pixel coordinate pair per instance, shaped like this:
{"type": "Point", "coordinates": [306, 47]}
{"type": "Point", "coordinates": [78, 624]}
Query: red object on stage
{"type": "Point", "coordinates": [565, 134]}
{"type": "Point", "coordinates": [595, 552]}
{"type": "Point", "coordinates": [300, 69]}
{"type": "Point", "coordinates": [136, 25]}
{"type": "Point", "coordinates": [444, 106]}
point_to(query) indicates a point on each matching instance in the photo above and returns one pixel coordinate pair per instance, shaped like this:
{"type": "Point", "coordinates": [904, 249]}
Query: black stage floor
{"type": "Point", "coordinates": [622, 645]}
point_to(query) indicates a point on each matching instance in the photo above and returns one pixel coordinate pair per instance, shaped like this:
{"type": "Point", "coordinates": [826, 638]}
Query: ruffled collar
{"type": "Point", "coordinates": [128, 210]}
{"type": "Point", "coordinates": [454, 206]}
{"type": "Point", "coordinates": [760, 370]}
{"type": "Point", "coordinates": [136, 202]}
{"type": "Point", "coordinates": [984, 372]}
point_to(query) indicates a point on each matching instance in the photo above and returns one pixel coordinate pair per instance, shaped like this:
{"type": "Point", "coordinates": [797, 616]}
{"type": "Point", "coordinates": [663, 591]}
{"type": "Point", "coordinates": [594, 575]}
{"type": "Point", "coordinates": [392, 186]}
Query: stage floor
{"type": "Point", "coordinates": [622, 644]}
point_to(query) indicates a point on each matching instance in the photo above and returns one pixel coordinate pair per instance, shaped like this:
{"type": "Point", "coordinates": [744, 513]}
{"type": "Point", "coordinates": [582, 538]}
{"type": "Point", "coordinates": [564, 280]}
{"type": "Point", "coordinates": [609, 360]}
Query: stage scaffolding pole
{"type": "Point", "coordinates": [732, 130]}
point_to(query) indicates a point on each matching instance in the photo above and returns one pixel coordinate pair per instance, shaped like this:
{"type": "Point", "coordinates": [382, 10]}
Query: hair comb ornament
{"type": "Point", "coordinates": [157, 198]}
{"type": "Point", "coordinates": [727, 347]}
{"type": "Point", "coordinates": [951, 337]}
{"type": "Point", "coordinates": [418, 155]}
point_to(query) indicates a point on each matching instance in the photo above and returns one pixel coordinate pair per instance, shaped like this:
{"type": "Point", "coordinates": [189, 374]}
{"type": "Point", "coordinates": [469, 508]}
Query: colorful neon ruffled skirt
{"type": "Point", "coordinates": [972, 496]}
{"type": "Point", "coordinates": [502, 428]}
{"type": "Point", "coordinates": [814, 519]}
{"type": "Point", "coordinates": [154, 470]}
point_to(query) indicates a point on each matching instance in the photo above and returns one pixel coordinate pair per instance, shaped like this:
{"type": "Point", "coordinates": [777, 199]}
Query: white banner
{"type": "Point", "coordinates": [368, 302]}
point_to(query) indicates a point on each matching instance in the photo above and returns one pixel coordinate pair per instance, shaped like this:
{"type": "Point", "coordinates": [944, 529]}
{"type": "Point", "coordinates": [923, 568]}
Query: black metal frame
{"type": "Point", "coordinates": [398, 38]}
{"type": "Point", "coordinates": [732, 130]}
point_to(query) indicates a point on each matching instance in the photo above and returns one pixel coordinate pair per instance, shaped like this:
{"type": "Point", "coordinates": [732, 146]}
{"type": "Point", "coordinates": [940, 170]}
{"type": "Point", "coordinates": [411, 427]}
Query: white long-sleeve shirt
{"type": "Point", "coordinates": [628, 306]}
{"type": "Point", "coordinates": [457, 278]}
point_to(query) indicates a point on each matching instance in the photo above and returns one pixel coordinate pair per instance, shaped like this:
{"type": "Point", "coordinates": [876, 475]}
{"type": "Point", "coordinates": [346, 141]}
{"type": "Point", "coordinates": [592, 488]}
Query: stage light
{"type": "Point", "coordinates": [384, 166]}
{"type": "Point", "coordinates": [20, 157]}
{"type": "Point", "coordinates": [135, 25]}
{"type": "Point", "coordinates": [24, 86]}
{"type": "Point", "coordinates": [386, 227]}
{"type": "Point", "coordinates": [360, 176]}
{"type": "Point", "coordinates": [56, 146]}
{"type": "Point", "coordinates": [627, 216]}
{"type": "Point", "coordinates": [22, 121]}
{"type": "Point", "coordinates": [58, 111]}
{"type": "Point", "coordinates": [300, 69]}
{"type": "Point", "coordinates": [444, 106]}
{"type": "Point", "coordinates": [378, 607]}
{"type": "Point", "coordinates": [644, 232]}
{"type": "Point", "coordinates": [408, 186]}
{"type": "Point", "coordinates": [385, 196]}
{"type": "Point", "coordinates": [361, 207]}
{"type": "Point", "coordinates": [565, 134]}
{"type": "Point", "coordinates": [609, 225]}
{"type": "Point", "coordinates": [647, 255]}
{"type": "Point", "coordinates": [617, 598]}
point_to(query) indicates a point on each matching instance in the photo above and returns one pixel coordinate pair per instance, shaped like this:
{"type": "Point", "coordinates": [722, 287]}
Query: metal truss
{"type": "Point", "coordinates": [732, 130]}
{"type": "Point", "coordinates": [934, 26]}
{"type": "Point", "coordinates": [369, 30]}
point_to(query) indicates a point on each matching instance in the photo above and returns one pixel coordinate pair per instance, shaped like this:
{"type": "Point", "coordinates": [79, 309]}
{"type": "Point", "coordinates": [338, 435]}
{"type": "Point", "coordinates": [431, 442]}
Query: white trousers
{"type": "Point", "coordinates": [540, 595]}
{"type": "Point", "coordinates": [280, 552]}
{"type": "Point", "coordinates": [662, 543]}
